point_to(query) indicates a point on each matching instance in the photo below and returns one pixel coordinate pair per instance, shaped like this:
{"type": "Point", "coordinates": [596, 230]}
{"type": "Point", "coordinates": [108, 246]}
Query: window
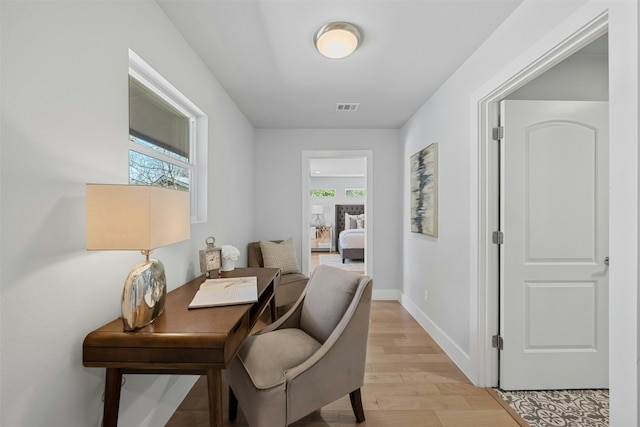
{"type": "Point", "coordinates": [354, 192]}
{"type": "Point", "coordinates": [167, 135]}
{"type": "Point", "coordinates": [160, 151]}
{"type": "Point", "coordinates": [322, 193]}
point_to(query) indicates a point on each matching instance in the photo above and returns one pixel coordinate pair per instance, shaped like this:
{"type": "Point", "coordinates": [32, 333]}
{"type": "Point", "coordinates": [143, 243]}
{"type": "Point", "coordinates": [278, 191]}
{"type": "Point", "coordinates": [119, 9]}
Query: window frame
{"type": "Point", "coordinates": [198, 134]}
{"type": "Point", "coordinates": [347, 190]}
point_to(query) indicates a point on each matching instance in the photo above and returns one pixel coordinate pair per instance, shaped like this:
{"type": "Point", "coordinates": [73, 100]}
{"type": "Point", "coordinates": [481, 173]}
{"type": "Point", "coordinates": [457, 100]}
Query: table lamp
{"type": "Point", "coordinates": [317, 210]}
{"type": "Point", "coordinates": [131, 217]}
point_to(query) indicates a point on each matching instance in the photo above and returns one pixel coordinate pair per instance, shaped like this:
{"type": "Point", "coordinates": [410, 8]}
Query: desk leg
{"type": "Point", "coordinates": [214, 385]}
{"type": "Point", "coordinates": [112, 388]}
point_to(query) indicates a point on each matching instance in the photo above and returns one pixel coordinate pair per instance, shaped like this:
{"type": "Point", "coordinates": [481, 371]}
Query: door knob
{"type": "Point", "coordinates": [606, 260]}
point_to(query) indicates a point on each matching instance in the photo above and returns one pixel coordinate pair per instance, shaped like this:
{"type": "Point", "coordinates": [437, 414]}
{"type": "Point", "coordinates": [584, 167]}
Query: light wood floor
{"type": "Point", "coordinates": [314, 259]}
{"type": "Point", "coordinates": [409, 382]}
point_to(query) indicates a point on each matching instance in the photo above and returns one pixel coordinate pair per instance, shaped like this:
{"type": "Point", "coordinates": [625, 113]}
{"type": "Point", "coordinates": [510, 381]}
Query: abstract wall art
{"type": "Point", "coordinates": [424, 191]}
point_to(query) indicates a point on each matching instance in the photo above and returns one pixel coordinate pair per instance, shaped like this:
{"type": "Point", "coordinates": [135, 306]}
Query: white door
{"type": "Point", "coordinates": [553, 262]}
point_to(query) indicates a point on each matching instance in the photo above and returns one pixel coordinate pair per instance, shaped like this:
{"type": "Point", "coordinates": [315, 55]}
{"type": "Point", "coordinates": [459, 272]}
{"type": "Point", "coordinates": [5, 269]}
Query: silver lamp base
{"type": "Point", "coordinates": [144, 294]}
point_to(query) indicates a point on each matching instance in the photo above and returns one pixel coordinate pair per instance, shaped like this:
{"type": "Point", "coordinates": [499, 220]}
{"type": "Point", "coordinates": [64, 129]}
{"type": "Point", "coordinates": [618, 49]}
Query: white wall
{"type": "Point", "coordinates": [447, 266]}
{"type": "Point", "coordinates": [339, 184]}
{"type": "Point", "coordinates": [64, 124]}
{"type": "Point", "coordinates": [278, 186]}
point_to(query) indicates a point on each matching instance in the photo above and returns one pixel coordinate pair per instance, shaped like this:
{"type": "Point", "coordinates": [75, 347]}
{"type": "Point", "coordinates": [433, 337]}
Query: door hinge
{"type": "Point", "coordinates": [497, 237]}
{"type": "Point", "coordinates": [498, 133]}
{"type": "Point", "coordinates": [497, 342]}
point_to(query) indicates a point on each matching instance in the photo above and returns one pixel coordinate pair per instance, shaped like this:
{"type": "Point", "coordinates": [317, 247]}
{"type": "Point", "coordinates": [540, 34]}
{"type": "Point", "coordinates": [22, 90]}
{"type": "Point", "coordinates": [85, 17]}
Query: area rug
{"type": "Point", "coordinates": [335, 260]}
{"type": "Point", "coordinates": [560, 408]}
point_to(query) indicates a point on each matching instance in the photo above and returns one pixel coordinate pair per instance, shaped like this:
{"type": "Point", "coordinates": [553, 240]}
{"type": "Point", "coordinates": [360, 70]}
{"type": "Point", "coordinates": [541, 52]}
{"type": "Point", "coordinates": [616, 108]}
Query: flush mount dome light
{"type": "Point", "coordinates": [337, 39]}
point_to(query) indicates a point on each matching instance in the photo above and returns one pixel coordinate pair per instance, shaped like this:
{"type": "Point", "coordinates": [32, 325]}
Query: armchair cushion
{"type": "Point", "coordinates": [266, 357]}
{"type": "Point", "coordinates": [326, 304]}
{"type": "Point", "coordinates": [280, 255]}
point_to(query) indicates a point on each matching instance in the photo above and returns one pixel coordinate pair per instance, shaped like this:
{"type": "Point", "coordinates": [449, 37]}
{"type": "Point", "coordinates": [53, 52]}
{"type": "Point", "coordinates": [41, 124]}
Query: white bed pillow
{"type": "Point", "coordinates": [351, 221]}
{"type": "Point", "coordinates": [280, 255]}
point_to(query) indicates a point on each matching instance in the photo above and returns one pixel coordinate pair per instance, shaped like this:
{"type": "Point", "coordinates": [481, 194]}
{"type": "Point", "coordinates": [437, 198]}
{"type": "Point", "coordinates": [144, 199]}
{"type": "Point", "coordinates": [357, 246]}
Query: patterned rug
{"type": "Point", "coordinates": [335, 260]}
{"type": "Point", "coordinates": [560, 408]}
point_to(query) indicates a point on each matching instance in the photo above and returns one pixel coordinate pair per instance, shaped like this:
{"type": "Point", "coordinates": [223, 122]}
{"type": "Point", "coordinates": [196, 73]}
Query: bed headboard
{"type": "Point", "coordinates": [340, 211]}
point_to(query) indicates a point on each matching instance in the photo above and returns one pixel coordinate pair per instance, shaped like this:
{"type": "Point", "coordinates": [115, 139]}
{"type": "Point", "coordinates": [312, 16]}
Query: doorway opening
{"type": "Point", "coordinates": [332, 180]}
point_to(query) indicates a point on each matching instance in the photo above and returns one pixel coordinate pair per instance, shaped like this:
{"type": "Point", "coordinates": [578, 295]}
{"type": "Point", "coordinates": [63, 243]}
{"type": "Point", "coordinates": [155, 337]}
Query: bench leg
{"type": "Point", "coordinates": [233, 405]}
{"type": "Point", "coordinates": [273, 309]}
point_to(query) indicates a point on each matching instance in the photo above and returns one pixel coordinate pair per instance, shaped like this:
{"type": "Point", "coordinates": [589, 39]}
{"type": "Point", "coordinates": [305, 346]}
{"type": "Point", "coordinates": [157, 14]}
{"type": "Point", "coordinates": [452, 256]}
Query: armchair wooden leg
{"type": "Point", "coordinates": [356, 404]}
{"type": "Point", "coordinates": [233, 405]}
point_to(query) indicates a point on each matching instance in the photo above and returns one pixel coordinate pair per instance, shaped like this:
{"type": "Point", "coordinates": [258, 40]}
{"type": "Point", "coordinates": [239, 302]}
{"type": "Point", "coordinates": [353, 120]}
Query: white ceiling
{"type": "Point", "coordinates": [262, 53]}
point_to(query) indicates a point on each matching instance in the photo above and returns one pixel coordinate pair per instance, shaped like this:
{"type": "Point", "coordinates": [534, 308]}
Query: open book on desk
{"type": "Point", "coordinates": [229, 291]}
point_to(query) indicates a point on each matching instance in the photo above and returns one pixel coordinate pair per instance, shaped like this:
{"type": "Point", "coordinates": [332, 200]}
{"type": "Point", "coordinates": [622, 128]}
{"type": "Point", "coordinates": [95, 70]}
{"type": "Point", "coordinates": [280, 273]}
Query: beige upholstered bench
{"type": "Point", "coordinates": [291, 283]}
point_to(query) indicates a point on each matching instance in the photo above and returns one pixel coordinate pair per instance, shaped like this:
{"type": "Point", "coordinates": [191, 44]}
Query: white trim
{"type": "Point", "coordinates": [387, 295]}
{"type": "Point", "coordinates": [368, 202]}
{"type": "Point", "coordinates": [484, 274]}
{"type": "Point", "coordinates": [172, 390]}
{"type": "Point", "coordinates": [148, 151]}
{"type": "Point", "coordinates": [455, 353]}
{"type": "Point", "coordinates": [198, 143]}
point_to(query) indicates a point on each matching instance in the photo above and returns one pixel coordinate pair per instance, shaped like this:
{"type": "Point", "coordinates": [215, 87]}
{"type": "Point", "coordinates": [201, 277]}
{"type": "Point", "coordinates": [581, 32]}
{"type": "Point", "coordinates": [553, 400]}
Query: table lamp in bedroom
{"type": "Point", "coordinates": [317, 210]}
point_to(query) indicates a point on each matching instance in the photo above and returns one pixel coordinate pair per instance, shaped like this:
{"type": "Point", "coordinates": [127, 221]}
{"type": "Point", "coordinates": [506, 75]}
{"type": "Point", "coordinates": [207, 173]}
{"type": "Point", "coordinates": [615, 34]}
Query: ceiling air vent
{"type": "Point", "coordinates": [347, 106]}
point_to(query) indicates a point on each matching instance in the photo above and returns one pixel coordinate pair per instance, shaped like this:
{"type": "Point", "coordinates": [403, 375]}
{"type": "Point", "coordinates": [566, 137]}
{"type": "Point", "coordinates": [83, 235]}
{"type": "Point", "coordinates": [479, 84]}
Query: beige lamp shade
{"type": "Point", "coordinates": [131, 217]}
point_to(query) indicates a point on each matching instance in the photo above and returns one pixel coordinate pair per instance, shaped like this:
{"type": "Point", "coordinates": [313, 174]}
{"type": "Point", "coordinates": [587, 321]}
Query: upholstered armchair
{"type": "Point", "coordinates": [308, 358]}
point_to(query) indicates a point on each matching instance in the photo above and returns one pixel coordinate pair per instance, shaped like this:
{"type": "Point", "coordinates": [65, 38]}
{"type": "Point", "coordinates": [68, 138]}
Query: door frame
{"type": "Point", "coordinates": [368, 201]}
{"type": "Point", "coordinates": [485, 307]}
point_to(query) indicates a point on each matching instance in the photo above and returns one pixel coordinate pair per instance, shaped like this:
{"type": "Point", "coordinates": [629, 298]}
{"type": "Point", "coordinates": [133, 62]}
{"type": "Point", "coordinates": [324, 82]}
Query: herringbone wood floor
{"type": "Point", "coordinates": [409, 382]}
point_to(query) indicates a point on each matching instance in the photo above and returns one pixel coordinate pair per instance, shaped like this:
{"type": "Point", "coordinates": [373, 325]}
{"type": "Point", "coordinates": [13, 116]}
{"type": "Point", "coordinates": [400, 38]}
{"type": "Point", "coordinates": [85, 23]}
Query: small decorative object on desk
{"type": "Point", "coordinates": [229, 256]}
{"type": "Point", "coordinates": [210, 259]}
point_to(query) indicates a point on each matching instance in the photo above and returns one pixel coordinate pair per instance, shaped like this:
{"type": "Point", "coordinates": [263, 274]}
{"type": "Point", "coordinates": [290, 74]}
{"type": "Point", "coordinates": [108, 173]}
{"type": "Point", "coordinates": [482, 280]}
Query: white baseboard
{"type": "Point", "coordinates": [159, 401]}
{"type": "Point", "coordinates": [455, 353]}
{"type": "Point", "coordinates": [386, 295]}
{"type": "Point", "coordinates": [173, 397]}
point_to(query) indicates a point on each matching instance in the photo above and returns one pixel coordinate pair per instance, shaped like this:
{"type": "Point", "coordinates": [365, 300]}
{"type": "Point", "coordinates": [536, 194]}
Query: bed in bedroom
{"type": "Point", "coordinates": [349, 232]}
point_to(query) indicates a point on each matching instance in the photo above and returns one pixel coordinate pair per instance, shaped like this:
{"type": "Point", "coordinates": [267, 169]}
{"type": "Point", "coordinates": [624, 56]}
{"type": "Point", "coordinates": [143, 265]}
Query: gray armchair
{"type": "Point", "coordinates": [308, 358]}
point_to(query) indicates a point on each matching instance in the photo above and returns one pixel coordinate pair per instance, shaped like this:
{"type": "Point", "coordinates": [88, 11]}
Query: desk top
{"type": "Point", "coordinates": [181, 338]}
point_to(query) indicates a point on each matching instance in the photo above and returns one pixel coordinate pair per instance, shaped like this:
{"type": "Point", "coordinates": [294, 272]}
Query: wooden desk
{"type": "Point", "coordinates": [180, 341]}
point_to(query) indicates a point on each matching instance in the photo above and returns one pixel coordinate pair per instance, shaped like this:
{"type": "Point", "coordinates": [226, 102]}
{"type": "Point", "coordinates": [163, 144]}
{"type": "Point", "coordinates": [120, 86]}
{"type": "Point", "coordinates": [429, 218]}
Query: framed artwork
{"type": "Point", "coordinates": [424, 191]}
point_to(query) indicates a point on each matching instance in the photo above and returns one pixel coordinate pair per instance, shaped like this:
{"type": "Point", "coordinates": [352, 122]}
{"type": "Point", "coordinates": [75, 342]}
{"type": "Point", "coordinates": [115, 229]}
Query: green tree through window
{"type": "Point", "coordinates": [354, 192]}
{"type": "Point", "coordinates": [322, 193]}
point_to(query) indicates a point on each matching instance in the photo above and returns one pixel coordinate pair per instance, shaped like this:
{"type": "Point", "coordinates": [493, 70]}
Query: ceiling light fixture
{"type": "Point", "coordinates": [337, 39]}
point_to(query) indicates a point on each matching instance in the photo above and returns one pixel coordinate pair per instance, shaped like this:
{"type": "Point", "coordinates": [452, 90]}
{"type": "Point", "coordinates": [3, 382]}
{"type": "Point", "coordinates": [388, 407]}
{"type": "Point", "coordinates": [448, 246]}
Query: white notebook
{"type": "Point", "coordinates": [229, 291]}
